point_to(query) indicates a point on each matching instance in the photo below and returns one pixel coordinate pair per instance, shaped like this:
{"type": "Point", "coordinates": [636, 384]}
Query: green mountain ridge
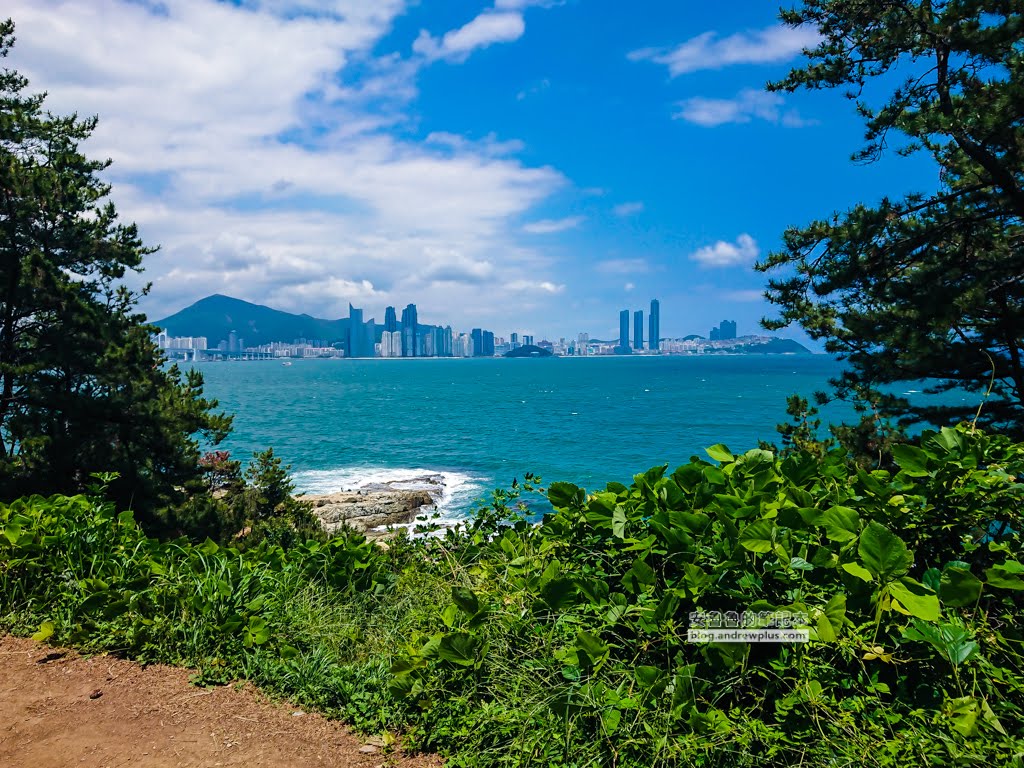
{"type": "Point", "coordinates": [216, 316]}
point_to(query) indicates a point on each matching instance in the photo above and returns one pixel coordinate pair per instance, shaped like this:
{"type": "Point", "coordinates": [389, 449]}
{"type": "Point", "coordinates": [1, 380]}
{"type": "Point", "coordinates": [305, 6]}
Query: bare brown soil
{"type": "Point", "coordinates": [58, 709]}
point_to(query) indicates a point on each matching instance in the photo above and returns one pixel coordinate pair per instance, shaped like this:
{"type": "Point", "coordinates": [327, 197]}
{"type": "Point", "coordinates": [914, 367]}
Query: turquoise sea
{"type": "Point", "coordinates": [483, 422]}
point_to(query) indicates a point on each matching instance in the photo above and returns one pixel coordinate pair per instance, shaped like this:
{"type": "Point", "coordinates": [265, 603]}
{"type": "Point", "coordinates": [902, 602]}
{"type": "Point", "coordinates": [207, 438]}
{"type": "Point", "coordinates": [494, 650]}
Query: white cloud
{"type": "Point", "coordinates": [628, 209]}
{"type": "Point", "coordinates": [623, 266]}
{"type": "Point", "coordinates": [504, 23]}
{"type": "Point", "coordinates": [709, 51]}
{"type": "Point", "coordinates": [744, 296]}
{"type": "Point", "coordinates": [724, 254]}
{"type": "Point", "coordinates": [252, 143]}
{"type": "Point", "coordinates": [629, 287]}
{"type": "Point", "coordinates": [488, 28]}
{"type": "Point", "coordinates": [527, 286]}
{"type": "Point", "coordinates": [549, 226]}
{"type": "Point", "coordinates": [747, 105]}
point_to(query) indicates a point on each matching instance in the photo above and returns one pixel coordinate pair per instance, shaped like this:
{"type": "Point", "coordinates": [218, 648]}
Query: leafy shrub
{"type": "Point", "coordinates": [565, 642]}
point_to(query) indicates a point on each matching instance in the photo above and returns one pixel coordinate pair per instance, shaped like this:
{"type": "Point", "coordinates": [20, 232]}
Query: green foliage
{"type": "Point", "coordinates": [267, 508]}
{"type": "Point", "coordinates": [926, 288]}
{"type": "Point", "coordinates": [82, 386]}
{"type": "Point", "coordinates": [567, 642]}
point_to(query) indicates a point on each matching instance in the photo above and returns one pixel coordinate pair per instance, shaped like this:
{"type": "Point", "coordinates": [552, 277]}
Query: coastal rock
{"type": "Point", "coordinates": [363, 510]}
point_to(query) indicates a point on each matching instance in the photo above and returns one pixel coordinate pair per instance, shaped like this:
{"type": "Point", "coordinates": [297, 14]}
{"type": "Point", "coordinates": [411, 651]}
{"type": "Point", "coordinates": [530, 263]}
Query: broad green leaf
{"type": "Point", "coordinates": [714, 475]}
{"type": "Point", "coordinates": [824, 629]}
{"type": "Point", "coordinates": [911, 459]}
{"type": "Point", "coordinates": [1008, 575]}
{"type": "Point", "coordinates": [592, 645]}
{"type": "Point", "coordinates": [466, 599]}
{"type": "Point", "coordinates": [963, 713]}
{"type": "Point", "coordinates": [558, 594]}
{"type": "Point", "coordinates": [835, 614]}
{"type": "Point", "coordinates": [639, 577]}
{"type": "Point", "coordinates": [953, 641]}
{"type": "Point", "coordinates": [619, 522]}
{"type": "Point", "coordinates": [720, 453]}
{"type": "Point", "coordinates": [841, 524]}
{"type": "Point", "coordinates": [959, 587]}
{"type": "Point", "coordinates": [858, 570]}
{"type": "Point", "coordinates": [458, 648]}
{"type": "Point", "coordinates": [758, 536]}
{"type": "Point", "coordinates": [648, 677]}
{"type": "Point", "coordinates": [208, 547]}
{"type": "Point", "coordinates": [610, 719]}
{"type": "Point", "coordinates": [914, 599]}
{"type": "Point", "coordinates": [13, 533]}
{"type": "Point", "coordinates": [565, 495]}
{"type": "Point", "coordinates": [45, 632]}
{"type": "Point", "coordinates": [883, 552]}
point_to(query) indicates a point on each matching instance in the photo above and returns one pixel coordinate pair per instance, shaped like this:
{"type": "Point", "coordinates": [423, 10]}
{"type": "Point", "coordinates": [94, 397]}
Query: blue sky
{"type": "Point", "coordinates": [521, 165]}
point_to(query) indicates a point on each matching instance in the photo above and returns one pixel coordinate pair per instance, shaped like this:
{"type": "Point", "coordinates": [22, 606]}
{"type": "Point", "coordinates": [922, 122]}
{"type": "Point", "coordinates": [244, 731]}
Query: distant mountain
{"type": "Point", "coordinates": [772, 347]}
{"type": "Point", "coordinates": [216, 316]}
{"type": "Point", "coordinates": [528, 350]}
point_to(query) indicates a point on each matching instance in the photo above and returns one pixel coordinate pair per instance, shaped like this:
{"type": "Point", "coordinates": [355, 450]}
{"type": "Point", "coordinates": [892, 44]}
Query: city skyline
{"type": "Point", "coordinates": [366, 338]}
{"type": "Point", "coordinates": [456, 152]}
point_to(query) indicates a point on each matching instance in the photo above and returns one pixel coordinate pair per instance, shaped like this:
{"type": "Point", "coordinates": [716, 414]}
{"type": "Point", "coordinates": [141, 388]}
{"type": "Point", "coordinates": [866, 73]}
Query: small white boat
{"type": "Point", "coordinates": [287, 362]}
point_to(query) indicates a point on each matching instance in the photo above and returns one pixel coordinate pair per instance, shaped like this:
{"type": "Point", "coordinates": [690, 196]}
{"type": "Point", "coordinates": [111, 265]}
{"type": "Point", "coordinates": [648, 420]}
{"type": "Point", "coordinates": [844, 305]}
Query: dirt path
{"type": "Point", "coordinates": [57, 710]}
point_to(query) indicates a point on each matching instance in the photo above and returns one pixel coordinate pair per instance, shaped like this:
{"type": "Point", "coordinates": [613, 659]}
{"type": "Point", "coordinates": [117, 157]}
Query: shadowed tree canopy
{"type": "Point", "coordinates": [82, 386]}
{"type": "Point", "coordinates": [929, 287]}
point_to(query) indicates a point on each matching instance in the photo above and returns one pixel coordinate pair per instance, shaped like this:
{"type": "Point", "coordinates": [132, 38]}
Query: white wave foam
{"type": "Point", "coordinates": [458, 490]}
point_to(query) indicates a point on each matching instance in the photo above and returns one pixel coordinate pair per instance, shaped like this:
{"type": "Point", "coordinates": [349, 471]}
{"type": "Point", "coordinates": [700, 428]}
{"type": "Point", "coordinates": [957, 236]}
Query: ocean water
{"type": "Point", "coordinates": [482, 422]}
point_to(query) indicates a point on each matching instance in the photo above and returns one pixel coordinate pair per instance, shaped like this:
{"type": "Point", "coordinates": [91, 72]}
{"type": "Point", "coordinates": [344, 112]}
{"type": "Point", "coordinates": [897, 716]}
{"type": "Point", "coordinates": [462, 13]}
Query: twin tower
{"type": "Point", "coordinates": [654, 330]}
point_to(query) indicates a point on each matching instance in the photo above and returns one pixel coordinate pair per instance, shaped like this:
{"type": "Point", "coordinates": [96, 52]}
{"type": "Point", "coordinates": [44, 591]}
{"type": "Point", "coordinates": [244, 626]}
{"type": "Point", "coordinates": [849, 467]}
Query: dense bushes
{"type": "Point", "coordinates": [565, 643]}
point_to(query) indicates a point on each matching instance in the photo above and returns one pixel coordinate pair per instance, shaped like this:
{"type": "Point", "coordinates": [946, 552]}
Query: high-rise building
{"type": "Point", "coordinates": [478, 342]}
{"type": "Point", "coordinates": [654, 331]}
{"type": "Point", "coordinates": [638, 329]}
{"type": "Point", "coordinates": [232, 342]}
{"type": "Point", "coordinates": [410, 325]}
{"type": "Point", "coordinates": [488, 344]}
{"type": "Point", "coordinates": [447, 341]}
{"type": "Point", "coordinates": [515, 340]}
{"type": "Point", "coordinates": [369, 337]}
{"type": "Point", "coordinates": [623, 332]}
{"type": "Point", "coordinates": [356, 334]}
{"type": "Point", "coordinates": [725, 331]}
{"type": "Point", "coordinates": [527, 341]}
{"type": "Point", "coordinates": [390, 320]}
{"type": "Point", "coordinates": [583, 344]}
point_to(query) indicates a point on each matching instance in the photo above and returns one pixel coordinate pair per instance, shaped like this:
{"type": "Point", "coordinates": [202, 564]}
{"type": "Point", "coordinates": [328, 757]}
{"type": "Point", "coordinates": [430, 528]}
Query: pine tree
{"type": "Point", "coordinates": [930, 287]}
{"type": "Point", "coordinates": [83, 388]}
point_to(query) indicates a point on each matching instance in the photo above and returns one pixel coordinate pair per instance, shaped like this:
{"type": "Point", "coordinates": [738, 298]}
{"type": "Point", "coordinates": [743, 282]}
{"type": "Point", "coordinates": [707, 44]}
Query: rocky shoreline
{"type": "Point", "coordinates": [372, 507]}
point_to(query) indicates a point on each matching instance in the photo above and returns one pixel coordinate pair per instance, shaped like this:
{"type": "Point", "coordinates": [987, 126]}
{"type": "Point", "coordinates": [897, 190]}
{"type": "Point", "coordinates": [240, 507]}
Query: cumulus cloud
{"type": "Point", "coordinates": [549, 226]}
{"type": "Point", "coordinates": [710, 51]}
{"type": "Point", "coordinates": [502, 23]}
{"type": "Point", "coordinates": [746, 106]}
{"type": "Point", "coordinates": [623, 210]}
{"type": "Point", "coordinates": [253, 142]}
{"type": "Point", "coordinates": [725, 254]}
{"type": "Point", "coordinates": [488, 28]}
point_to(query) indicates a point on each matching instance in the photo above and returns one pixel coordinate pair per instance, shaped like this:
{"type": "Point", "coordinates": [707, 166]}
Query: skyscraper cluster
{"type": "Point", "coordinates": [725, 331]}
{"type": "Point", "coordinates": [654, 330]}
{"type": "Point", "coordinates": [407, 338]}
